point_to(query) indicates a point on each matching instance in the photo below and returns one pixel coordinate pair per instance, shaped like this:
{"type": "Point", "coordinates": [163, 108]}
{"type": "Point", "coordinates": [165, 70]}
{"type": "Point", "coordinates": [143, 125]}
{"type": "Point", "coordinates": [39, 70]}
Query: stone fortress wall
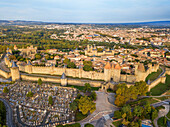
{"type": "Point", "coordinates": [111, 72]}
{"type": "Point", "coordinates": [5, 74]}
{"type": "Point", "coordinates": [58, 80]}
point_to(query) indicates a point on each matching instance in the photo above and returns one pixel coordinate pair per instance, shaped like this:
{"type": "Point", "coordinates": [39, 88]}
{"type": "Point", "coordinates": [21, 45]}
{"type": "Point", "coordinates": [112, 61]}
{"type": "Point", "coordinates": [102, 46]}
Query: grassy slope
{"type": "Point", "coordinates": [161, 87]}
{"type": "Point", "coordinates": [153, 75]}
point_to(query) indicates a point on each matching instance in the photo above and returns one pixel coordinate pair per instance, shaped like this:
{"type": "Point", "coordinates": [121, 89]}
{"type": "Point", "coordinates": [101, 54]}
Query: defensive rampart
{"type": "Point", "coordinates": [5, 74]}
{"type": "Point", "coordinates": [77, 82]}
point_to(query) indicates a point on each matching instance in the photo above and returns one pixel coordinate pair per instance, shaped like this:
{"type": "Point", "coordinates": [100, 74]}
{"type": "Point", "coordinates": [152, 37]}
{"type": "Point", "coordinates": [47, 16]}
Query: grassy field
{"type": "Point", "coordinates": [161, 122]}
{"type": "Point", "coordinates": [161, 87]}
{"type": "Point", "coordinates": [153, 75]}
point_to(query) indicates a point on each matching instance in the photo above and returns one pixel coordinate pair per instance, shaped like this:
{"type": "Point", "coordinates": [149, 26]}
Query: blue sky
{"type": "Point", "coordinates": [85, 11]}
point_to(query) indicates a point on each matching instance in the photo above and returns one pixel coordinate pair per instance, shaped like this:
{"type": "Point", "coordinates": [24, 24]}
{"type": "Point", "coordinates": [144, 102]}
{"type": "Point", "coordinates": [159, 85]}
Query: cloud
{"type": "Point", "coordinates": [85, 10]}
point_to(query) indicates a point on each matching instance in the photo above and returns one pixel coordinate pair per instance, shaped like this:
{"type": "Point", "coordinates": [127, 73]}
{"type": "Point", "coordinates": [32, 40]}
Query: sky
{"type": "Point", "coordinates": [86, 11]}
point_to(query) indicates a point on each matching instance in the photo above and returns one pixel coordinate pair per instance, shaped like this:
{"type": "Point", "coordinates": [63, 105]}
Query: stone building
{"type": "Point", "coordinates": [92, 51]}
{"type": "Point", "coordinates": [112, 72]}
{"type": "Point", "coordinates": [28, 51]}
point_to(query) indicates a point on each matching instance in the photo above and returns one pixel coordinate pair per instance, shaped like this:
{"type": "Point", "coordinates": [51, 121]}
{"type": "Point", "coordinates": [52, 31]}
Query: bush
{"type": "Point", "coordinates": [39, 81]}
{"type": "Point", "coordinates": [162, 122]}
{"type": "Point", "coordinates": [79, 116]}
{"type": "Point", "coordinates": [5, 90]}
{"type": "Point", "coordinates": [29, 94]}
{"type": "Point", "coordinates": [88, 125]}
{"type": "Point", "coordinates": [117, 114]}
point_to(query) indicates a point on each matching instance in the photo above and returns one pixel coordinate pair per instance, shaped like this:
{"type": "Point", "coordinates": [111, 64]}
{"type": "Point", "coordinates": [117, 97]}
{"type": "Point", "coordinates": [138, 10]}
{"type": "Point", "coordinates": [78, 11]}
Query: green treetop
{"type": "Point", "coordinates": [86, 105]}
{"type": "Point", "coordinates": [50, 100]}
{"type": "Point", "coordinates": [5, 90]}
{"type": "Point", "coordinates": [39, 81]}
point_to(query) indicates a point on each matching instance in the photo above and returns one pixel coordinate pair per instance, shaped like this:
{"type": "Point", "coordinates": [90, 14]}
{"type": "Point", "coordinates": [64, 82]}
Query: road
{"type": "Point", "coordinates": [161, 113]}
{"type": "Point", "coordinates": [164, 102]}
{"type": "Point", "coordinates": [9, 113]}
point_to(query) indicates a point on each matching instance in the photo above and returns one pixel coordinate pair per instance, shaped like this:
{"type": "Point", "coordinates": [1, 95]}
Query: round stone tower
{"type": "Point", "coordinates": [15, 72]}
{"type": "Point", "coordinates": [107, 72]}
{"type": "Point", "coordinates": [28, 68]}
{"type": "Point", "coordinates": [63, 80]}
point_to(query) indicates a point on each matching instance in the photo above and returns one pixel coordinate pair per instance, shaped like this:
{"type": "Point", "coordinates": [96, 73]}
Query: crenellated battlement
{"type": "Point", "coordinates": [111, 72]}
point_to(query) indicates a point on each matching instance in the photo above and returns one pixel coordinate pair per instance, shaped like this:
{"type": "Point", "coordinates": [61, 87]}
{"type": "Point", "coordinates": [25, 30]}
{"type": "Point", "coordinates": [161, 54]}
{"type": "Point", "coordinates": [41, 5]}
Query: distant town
{"type": "Point", "coordinates": [84, 75]}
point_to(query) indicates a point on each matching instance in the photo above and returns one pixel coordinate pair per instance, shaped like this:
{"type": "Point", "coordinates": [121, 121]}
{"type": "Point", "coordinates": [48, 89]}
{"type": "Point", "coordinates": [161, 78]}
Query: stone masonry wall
{"type": "Point", "coordinates": [5, 74]}
{"type": "Point", "coordinates": [57, 80]}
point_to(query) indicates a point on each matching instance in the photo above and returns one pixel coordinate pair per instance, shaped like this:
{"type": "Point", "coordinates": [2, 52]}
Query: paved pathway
{"type": "Point", "coordinates": [9, 113]}
{"type": "Point", "coordinates": [103, 107]}
{"type": "Point", "coordinates": [161, 113]}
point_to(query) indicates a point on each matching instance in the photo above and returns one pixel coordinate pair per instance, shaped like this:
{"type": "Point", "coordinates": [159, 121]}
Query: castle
{"type": "Point", "coordinates": [112, 72]}
{"type": "Point", "coordinates": [28, 51]}
{"type": "Point", "coordinates": [92, 51]}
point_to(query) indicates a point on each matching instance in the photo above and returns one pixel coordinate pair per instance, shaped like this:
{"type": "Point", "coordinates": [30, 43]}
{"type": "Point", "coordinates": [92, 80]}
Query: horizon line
{"type": "Point", "coordinates": [129, 22]}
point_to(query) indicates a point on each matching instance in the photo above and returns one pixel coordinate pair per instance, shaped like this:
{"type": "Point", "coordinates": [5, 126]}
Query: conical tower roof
{"type": "Point", "coordinates": [29, 63]}
{"type": "Point", "coordinates": [63, 76]}
{"type": "Point", "coordinates": [108, 65]}
{"type": "Point", "coordinates": [14, 64]}
{"type": "Point", "coordinates": [117, 66]}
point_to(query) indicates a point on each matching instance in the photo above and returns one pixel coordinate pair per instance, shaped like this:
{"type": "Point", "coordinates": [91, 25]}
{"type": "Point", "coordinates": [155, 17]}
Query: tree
{"type": "Point", "coordinates": [30, 94]}
{"type": "Point", "coordinates": [5, 90]}
{"type": "Point", "coordinates": [134, 124]}
{"type": "Point", "coordinates": [126, 109]}
{"type": "Point", "coordinates": [132, 92]}
{"type": "Point", "coordinates": [93, 96]}
{"type": "Point", "coordinates": [125, 122]}
{"type": "Point", "coordinates": [117, 114]}
{"type": "Point", "coordinates": [87, 68]}
{"type": "Point", "coordinates": [2, 114]}
{"type": "Point", "coordinates": [47, 57]}
{"type": "Point", "coordinates": [37, 56]}
{"type": "Point", "coordinates": [56, 65]}
{"type": "Point", "coordinates": [39, 81]}
{"type": "Point", "coordinates": [164, 120]}
{"type": "Point", "coordinates": [99, 49]}
{"type": "Point", "coordinates": [87, 87]}
{"type": "Point", "coordinates": [154, 114]}
{"type": "Point", "coordinates": [88, 125]}
{"type": "Point", "coordinates": [138, 111]}
{"type": "Point", "coordinates": [86, 105]}
{"type": "Point", "coordinates": [121, 95]}
{"type": "Point", "coordinates": [142, 88]}
{"type": "Point", "coordinates": [71, 65]}
{"type": "Point", "coordinates": [66, 61]}
{"type": "Point", "coordinates": [50, 100]}
{"type": "Point", "coordinates": [147, 108]}
{"type": "Point", "coordinates": [74, 106]}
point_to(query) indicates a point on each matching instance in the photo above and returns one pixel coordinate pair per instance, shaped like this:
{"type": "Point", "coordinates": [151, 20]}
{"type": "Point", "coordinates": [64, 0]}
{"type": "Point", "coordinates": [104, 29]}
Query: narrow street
{"type": "Point", "coordinates": [9, 113]}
